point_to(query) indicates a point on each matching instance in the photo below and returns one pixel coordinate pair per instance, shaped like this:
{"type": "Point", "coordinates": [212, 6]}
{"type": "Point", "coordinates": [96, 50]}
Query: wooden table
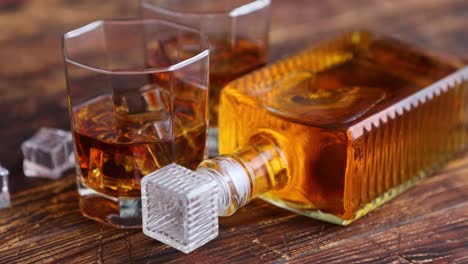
{"type": "Point", "coordinates": [427, 223]}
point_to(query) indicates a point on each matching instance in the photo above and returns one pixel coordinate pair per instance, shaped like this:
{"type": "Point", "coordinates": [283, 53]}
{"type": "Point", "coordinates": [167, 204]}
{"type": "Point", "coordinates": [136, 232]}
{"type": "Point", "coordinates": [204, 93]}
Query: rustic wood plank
{"type": "Point", "coordinates": [431, 215]}
{"type": "Point", "coordinates": [428, 223]}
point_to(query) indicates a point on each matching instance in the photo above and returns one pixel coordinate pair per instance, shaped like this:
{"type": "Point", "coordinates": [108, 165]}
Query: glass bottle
{"type": "Point", "coordinates": [331, 133]}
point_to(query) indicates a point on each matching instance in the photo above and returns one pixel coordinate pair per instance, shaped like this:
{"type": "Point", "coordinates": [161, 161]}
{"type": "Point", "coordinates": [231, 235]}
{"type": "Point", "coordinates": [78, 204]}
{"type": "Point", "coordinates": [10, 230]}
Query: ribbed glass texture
{"type": "Point", "coordinates": [405, 143]}
{"type": "Point", "coordinates": [180, 207]}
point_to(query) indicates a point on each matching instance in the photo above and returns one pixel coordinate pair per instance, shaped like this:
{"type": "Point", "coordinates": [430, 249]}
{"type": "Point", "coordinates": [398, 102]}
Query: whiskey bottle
{"type": "Point", "coordinates": [331, 133]}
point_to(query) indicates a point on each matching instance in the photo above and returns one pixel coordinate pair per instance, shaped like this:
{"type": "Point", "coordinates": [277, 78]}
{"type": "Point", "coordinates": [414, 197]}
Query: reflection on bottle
{"type": "Point", "coordinates": [297, 97]}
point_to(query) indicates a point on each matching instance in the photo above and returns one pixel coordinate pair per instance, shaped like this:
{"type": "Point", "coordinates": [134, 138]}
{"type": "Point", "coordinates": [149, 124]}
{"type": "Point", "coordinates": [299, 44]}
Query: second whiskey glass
{"type": "Point", "coordinates": [137, 93]}
{"type": "Point", "coordinates": [237, 31]}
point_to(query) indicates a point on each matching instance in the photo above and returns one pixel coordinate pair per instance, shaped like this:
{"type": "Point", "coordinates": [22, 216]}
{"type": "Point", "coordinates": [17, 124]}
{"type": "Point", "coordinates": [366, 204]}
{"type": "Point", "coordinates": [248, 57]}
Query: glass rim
{"type": "Point", "coordinates": [234, 12]}
{"type": "Point", "coordinates": [204, 50]}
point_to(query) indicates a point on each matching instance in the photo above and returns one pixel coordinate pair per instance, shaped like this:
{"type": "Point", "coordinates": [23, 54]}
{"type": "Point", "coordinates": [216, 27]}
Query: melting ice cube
{"type": "Point", "coordinates": [48, 153]}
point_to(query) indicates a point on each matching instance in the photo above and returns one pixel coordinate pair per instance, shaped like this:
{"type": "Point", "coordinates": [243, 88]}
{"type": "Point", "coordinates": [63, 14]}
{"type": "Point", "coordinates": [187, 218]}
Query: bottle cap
{"type": "Point", "coordinates": [179, 207]}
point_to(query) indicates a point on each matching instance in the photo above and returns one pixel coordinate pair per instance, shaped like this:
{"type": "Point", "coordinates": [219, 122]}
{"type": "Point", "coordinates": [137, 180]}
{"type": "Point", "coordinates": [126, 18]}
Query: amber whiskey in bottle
{"type": "Point", "coordinates": [331, 133]}
{"type": "Point", "coordinates": [363, 118]}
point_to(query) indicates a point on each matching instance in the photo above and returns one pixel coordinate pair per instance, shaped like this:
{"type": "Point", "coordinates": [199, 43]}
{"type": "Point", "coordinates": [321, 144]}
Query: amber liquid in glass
{"type": "Point", "coordinates": [359, 119]}
{"type": "Point", "coordinates": [113, 156]}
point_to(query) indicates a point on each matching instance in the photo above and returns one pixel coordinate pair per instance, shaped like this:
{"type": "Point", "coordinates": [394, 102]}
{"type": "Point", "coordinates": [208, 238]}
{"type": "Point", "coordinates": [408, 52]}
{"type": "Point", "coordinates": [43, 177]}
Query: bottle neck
{"type": "Point", "coordinates": [247, 173]}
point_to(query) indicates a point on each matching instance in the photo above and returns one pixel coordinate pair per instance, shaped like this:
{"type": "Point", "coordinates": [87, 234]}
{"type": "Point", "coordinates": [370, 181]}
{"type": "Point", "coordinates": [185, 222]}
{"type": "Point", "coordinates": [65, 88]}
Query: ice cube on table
{"type": "Point", "coordinates": [4, 194]}
{"type": "Point", "coordinates": [48, 153]}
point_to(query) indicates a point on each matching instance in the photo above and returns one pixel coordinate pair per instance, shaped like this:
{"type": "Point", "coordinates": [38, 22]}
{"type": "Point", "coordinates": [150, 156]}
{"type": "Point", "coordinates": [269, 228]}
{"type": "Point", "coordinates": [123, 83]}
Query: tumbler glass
{"type": "Point", "coordinates": [237, 31]}
{"type": "Point", "coordinates": [137, 93]}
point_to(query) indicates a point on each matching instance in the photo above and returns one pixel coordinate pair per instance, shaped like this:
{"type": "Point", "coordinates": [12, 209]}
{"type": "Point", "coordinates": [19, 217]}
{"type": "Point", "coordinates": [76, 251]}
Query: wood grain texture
{"type": "Point", "coordinates": [428, 223]}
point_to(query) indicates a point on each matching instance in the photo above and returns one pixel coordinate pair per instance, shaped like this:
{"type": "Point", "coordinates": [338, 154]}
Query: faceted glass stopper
{"type": "Point", "coordinates": [180, 207]}
{"type": "Point", "coordinates": [48, 153]}
{"type": "Point", "coordinates": [4, 194]}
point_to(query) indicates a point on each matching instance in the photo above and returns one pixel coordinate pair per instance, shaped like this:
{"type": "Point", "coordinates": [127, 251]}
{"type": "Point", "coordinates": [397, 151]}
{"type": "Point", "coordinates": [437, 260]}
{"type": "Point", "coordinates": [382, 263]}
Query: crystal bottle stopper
{"type": "Point", "coordinates": [180, 207]}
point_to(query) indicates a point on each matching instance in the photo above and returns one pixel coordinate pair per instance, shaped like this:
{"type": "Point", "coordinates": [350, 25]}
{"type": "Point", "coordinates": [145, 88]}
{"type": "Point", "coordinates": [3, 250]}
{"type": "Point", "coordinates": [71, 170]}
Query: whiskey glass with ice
{"type": "Point", "coordinates": [137, 92]}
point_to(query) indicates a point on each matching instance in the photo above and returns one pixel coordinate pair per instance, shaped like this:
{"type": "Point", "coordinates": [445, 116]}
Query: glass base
{"type": "Point", "coordinates": [212, 142]}
{"type": "Point", "coordinates": [119, 212]}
